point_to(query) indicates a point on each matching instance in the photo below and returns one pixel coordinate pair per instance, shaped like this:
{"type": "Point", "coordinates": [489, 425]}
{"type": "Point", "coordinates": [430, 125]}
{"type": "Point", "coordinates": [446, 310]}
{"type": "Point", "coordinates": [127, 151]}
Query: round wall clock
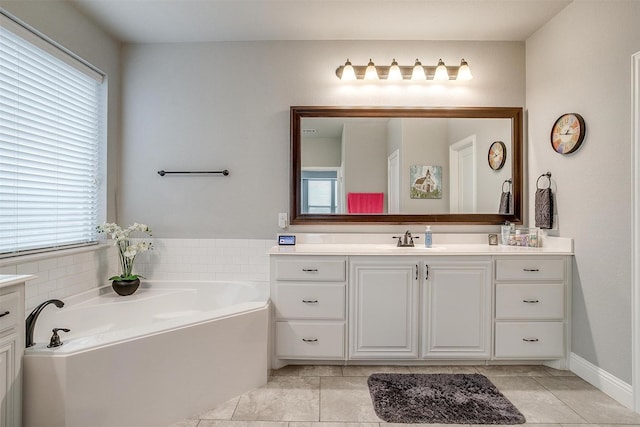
{"type": "Point", "coordinates": [568, 133]}
{"type": "Point", "coordinates": [497, 155]}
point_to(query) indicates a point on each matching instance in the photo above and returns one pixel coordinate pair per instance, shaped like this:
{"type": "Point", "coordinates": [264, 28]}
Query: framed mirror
{"type": "Point", "coordinates": [406, 165]}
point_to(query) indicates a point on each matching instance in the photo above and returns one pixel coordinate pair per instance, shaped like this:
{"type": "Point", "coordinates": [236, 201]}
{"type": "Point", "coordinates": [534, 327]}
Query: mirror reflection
{"type": "Point", "coordinates": [406, 165]}
{"type": "Point", "coordinates": [402, 165]}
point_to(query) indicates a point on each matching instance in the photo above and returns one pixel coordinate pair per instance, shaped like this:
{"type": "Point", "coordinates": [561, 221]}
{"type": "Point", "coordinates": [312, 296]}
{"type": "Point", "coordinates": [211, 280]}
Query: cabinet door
{"type": "Point", "coordinates": [384, 309]}
{"type": "Point", "coordinates": [9, 385]}
{"type": "Point", "coordinates": [456, 304]}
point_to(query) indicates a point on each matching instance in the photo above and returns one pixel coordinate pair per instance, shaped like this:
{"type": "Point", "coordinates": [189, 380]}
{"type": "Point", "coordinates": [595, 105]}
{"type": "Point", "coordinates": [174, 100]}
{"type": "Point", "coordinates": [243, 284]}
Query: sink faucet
{"type": "Point", "coordinates": [31, 319]}
{"type": "Point", "coordinates": [406, 240]}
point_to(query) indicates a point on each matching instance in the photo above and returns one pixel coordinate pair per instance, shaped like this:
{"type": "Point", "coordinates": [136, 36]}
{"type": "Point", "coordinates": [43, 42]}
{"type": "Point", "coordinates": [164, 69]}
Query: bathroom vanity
{"type": "Point", "coordinates": [359, 299]}
{"type": "Point", "coordinates": [11, 348]}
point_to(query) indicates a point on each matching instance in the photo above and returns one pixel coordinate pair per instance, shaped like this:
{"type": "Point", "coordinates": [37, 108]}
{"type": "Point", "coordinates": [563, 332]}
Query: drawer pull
{"type": "Point", "coordinates": [531, 269]}
{"type": "Point", "coordinates": [530, 339]}
{"type": "Point", "coordinates": [5, 313]}
{"type": "Point", "coordinates": [310, 339]}
{"type": "Point", "coordinates": [530, 301]}
{"type": "Point", "coordinates": [310, 301]}
{"type": "Point", "coordinates": [310, 270]}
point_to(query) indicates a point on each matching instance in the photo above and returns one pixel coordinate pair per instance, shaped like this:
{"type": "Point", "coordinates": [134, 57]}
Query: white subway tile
{"type": "Point", "coordinates": [48, 264]}
{"type": "Point", "coordinates": [8, 269]}
{"type": "Point", "coordinates": [27, 268]}
{"type": "Point", "coordinates": [224, 276]}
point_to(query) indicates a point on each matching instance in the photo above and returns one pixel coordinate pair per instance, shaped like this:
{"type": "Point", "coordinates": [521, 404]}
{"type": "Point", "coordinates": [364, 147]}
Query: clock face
{"type": "Point", "coordinates": [567, 133]}
{"type": "Point", "coordinates": [497, 155]}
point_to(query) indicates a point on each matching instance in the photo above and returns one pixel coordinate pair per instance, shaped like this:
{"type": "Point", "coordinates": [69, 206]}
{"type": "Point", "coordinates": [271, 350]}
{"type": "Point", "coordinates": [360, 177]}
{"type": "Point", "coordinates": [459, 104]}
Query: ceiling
{"type": "Point", "coordinates": [170, 21]}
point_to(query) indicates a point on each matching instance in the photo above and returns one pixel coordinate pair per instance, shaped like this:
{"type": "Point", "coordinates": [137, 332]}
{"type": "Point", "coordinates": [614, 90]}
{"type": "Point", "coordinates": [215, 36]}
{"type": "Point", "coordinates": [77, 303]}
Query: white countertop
{"type": "Point", "coordinates": [444, 245]}
{"type": "Point", "coordinates": [13, 279]}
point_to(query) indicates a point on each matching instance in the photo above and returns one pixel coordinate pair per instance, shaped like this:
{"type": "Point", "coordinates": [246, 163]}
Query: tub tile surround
{"type": "Point", "coordinates": [207, 259]}
{"type": "Point", "coordinates": [60, 276]}
{"type": "Point", "coordinates": [82, 269]}
{"type": "Point", "coordinates": [546, 397]}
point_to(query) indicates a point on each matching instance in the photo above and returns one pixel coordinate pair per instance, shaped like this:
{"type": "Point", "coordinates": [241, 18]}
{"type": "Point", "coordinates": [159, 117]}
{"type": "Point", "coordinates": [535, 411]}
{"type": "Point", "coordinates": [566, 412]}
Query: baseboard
{"type": "Point", "coordinates": [602, 380]}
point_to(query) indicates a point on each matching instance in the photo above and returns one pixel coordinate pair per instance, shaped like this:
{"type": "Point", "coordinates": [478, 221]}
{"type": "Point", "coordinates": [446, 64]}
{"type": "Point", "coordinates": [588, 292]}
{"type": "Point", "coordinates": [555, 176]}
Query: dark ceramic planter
{"type": "Point", "coordinates": [125, 287]}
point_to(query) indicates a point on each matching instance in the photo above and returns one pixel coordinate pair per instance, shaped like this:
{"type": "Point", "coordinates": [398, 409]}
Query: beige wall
{"type": "Point", "coordinates": [226, 105]}
{"type": "Point", "coordinates": [581, 62]}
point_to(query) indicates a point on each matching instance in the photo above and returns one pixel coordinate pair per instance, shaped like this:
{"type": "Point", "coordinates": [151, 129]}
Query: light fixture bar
{"type": "Point", "coordinates": [405, 70]}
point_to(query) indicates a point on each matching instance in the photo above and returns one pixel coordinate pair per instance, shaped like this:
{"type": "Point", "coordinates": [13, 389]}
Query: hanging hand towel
{"type": "Point", "coordinates": [506, 200]}
{"type": "Point", "coordinates": [544, 205]}
{"type": "Point", "coordinates": [365, 202]}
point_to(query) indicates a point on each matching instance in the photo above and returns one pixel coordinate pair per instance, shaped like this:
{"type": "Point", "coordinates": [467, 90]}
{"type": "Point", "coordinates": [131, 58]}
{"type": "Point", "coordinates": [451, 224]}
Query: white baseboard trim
{"type": "Point", "coordinates": [603, 380]}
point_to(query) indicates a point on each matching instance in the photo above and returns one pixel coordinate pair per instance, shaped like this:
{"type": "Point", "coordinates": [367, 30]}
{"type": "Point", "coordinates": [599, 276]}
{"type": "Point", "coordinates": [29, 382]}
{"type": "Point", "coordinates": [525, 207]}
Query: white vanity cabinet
{"type": "Point", "coordinates": [532, 309]}
{"type": "Point", "coordinates": [310, 304]}
{"type": "Point", "coordinates": [11, 350]}
{"type": "Point", "coordinates": [383, 307]}
{"type": "Point", "coordinates": [366, 303]}
{"type": "Point", "coordinates": [456, 308]}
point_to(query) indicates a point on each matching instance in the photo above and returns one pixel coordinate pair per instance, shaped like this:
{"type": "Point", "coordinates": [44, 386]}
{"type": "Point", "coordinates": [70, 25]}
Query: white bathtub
{"type": "Point", "coordinates": [160, 355]}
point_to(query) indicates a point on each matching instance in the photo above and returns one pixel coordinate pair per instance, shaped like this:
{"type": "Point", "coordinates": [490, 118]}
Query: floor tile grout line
{"type": "Point", "coordinates": [237, 404]}
{"type": "Point", "coordinates": [563, 402]}
{"type": "Point", "coordinates": [319, 397]}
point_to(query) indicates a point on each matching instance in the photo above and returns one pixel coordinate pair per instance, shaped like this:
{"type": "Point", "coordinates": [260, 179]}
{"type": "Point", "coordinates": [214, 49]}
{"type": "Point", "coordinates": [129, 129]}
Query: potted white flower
{"type": "Point", "coordinates": [127, 282]}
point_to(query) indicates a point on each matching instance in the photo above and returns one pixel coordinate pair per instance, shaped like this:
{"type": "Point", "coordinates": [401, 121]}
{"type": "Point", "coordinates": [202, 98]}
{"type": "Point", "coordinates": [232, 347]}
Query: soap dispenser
{"type": "Point", "coordinates": [428, 238]}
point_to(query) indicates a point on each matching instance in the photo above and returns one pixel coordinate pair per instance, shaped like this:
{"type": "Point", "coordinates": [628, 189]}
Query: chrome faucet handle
{"type": "Point", "coordinates": [55, 338]}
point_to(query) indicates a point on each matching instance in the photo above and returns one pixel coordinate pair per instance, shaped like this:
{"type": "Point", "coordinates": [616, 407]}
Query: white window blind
{"type": "Point", "coordinates": [50, 136]}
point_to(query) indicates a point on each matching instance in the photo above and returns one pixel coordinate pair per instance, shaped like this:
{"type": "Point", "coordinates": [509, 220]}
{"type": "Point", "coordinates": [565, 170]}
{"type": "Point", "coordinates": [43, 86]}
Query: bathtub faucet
{"type": "Point", "coordinates": [31, 319]}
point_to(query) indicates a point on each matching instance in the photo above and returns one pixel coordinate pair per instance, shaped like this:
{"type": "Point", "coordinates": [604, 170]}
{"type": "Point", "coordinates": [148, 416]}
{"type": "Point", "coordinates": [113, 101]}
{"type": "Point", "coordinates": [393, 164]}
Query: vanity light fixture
{"type": "Point", "coordinates": [417, 72]}
{"type": "Point", "coordinates": [395, 72]}
{"type": "Point", "coordinates": [371, 73]}
{"type": "Point", "coordinates": [347, 71]}
{"type": "Point", "coordinates": [441, 71]}
{"type": "Point", "coordinates": [464, 72]}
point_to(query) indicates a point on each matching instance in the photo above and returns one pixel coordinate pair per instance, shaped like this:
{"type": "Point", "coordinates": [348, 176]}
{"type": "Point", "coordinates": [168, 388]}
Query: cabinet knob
{"type": "Point", "coordinates": [310, 339]}
{"type": "Point", "coordinates": [5, 313]}
{"type": "Point", "coordinates": [310, 301]}
{"type": "Point", "coordinates": [310, 270]}
{"type": "Point", "coordinates": [531, 269]}
{"type": "Point", "coordinates": [530, 301]}
{"type": "Point", "coordinates": [530, 339]}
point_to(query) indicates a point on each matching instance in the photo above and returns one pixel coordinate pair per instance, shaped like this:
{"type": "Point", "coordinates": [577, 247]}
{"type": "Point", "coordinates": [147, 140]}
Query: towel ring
{"type": "Point", "coordinates": [508, 182]}
{"type": "Point", "coordinates": [548, 175]}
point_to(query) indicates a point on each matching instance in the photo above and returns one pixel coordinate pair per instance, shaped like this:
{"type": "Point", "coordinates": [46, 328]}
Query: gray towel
{"type": "Point", "coordinates": [544, 208]}
{"type": "Point", "coordinates": [506, 203]}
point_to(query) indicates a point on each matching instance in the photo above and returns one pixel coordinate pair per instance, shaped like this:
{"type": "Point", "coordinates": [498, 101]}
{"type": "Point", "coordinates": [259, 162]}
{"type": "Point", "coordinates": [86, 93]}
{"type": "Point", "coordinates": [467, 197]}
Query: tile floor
{"type": "Point", "coordinates": [337, 396]}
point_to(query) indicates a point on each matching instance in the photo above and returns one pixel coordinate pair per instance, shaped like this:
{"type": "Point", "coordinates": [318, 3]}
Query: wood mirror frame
{"type": "Point", "coordinates": [512, 113]}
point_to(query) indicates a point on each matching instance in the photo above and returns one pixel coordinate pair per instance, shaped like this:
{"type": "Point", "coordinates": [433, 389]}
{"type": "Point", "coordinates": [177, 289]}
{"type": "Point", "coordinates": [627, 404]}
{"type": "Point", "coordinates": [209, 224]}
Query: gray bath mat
{"type": "Point", "coordinates": [441, 399]}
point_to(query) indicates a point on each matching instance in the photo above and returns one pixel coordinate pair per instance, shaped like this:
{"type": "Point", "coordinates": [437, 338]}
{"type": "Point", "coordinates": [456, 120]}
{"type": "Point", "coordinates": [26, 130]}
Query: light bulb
{"type": "Point", "coordinates": [464, 72]}
{"type": "Point", "coordinates": [418, 71]}
{"type": "Point", "coordinates": [371, 73]}
{"type": "Point", "coordinates": [441, 72]}
{"type": "Point", "coordinates": [348, 72]}
{"type": "Point", "coordinates": [394, 71]}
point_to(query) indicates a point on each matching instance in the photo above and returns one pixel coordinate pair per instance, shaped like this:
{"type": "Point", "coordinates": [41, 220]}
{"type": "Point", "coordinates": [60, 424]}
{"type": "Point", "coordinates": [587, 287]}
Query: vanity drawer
{"type": "Point", "coordinates": [311, 269]}
{"type": "Point", "coordinates": [529, 301]}
{"type": "Point", "coordinates": [310, 340]}
{"type": "Point", "coordinates": [530, 269]}
{"type": "Point", "coordinates": [314, 301]}
{"type": "Point", "coordinates": [10, 310]}
{"type": "Point", "coordinates": [533, 340]}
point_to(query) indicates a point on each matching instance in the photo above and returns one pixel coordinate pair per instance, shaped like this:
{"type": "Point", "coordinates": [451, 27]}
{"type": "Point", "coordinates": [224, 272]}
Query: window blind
{"type": "Point", "coordinates": [50, 134]}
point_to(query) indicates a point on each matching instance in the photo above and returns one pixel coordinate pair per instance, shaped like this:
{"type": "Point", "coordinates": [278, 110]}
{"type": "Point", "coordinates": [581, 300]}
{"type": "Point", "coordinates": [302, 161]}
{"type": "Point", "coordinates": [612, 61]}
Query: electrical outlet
{"type": "Point", "coordinates": [283, 220]}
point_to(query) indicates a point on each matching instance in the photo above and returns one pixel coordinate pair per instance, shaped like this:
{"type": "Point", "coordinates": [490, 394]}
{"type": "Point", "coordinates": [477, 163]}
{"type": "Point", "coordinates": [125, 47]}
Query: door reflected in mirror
{"type": "Point", "coordinates": [404, 165]}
